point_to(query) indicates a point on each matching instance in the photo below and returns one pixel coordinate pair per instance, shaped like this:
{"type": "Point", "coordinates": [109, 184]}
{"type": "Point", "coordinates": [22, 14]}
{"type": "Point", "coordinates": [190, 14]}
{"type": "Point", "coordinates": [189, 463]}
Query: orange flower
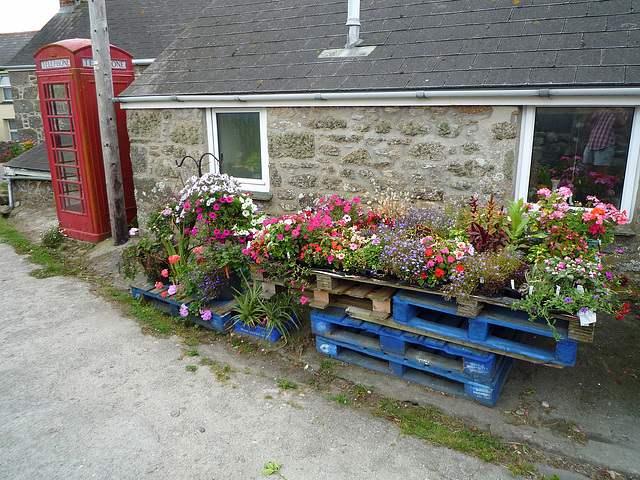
{"type": "Point", "coordinates": [159, 284]}
{"type": "Point", "coordinates": [197, 250]}
{"type": "Point", "coordinates": [165, 273]}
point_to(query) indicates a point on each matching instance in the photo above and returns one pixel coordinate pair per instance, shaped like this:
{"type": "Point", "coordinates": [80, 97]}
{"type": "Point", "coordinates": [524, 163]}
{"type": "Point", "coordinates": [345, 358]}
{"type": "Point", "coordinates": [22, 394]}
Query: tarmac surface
{"type": "Point", "coordinates": [85, 394]}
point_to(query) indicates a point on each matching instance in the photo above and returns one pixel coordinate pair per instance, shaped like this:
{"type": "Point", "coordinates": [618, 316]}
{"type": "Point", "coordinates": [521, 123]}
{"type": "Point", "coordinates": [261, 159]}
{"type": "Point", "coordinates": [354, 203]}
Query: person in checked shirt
{"type": "Point", "coordinates": [599, 151]}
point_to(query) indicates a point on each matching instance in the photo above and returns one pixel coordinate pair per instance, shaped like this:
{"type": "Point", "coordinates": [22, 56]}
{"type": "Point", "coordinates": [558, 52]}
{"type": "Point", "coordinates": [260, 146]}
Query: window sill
{"type": "Point", "coordinates": [261, 196]}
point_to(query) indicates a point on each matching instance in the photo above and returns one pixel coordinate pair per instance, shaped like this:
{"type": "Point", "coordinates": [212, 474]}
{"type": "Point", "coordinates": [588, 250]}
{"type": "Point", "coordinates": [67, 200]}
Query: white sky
{"type": "Point", "coordinates": [26, 15]}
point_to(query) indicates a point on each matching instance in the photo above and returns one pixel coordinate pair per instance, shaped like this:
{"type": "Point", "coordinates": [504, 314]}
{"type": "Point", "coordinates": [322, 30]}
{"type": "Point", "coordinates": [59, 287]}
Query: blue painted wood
{"type": "Point", "coordinates": [220, 310]}
{"type": "Point", "coordinates": [499, 328]}
{"type": "Point", "coordinates": [421, 351]}
{"type": "Point", "coordinates": [483, 392]}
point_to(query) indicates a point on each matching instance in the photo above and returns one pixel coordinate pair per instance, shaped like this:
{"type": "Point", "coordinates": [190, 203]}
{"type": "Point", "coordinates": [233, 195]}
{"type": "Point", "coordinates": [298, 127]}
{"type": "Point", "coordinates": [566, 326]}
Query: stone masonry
{"type": "Point", "coordinates": [419, 154]}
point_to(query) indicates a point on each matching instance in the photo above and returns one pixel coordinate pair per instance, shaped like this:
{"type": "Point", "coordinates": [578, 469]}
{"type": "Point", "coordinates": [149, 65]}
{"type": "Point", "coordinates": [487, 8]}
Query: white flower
{"type": "Point", "coordinates": [133, 231]}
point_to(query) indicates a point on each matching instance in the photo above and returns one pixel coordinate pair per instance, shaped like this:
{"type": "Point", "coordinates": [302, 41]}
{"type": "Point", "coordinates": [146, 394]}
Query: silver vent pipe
{"type": "Point", "coordinates": [353, 22]}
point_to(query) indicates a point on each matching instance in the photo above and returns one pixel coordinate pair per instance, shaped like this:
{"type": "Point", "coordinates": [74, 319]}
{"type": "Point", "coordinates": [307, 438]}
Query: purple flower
{"type": "Point", "coordinates": [172, 289]}
{"type": "Point", "coordinates": [184, 310]}
{"type": "Point", "coordinates": [206, 315]}
{"type": "Point", "coordinates": [568, 300]}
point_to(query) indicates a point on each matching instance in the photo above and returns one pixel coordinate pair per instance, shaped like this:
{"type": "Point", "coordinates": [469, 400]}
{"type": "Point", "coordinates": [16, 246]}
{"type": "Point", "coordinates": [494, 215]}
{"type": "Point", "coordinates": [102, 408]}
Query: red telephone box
{"type": "Point", "coordinates": [69, 108]}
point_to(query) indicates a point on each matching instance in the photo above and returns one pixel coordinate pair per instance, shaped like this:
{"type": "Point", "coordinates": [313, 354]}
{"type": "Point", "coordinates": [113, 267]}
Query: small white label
{"type": "Point", "coordinates": [580, 288]}
{"type": "Point", "coordinates": [557, 289]}
{"type": "Point", "coordinates": [530, 289]}
{"type": "Point", "coordinates": [513, 284]}
{"type": "Point", "coordinates": [587, 318]}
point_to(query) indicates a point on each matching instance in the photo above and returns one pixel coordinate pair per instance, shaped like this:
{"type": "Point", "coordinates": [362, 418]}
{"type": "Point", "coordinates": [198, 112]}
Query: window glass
{"type": "Point", "coordinates": [13, 130]}
{"type": "Point", "coordinates": [584, 149]}
{"type": "Point", "coordinates": [239, 144]}
{"type": "Point", "coordinates": [6, 88]}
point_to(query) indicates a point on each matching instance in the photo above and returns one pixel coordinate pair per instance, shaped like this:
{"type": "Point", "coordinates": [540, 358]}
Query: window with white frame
{"type": "Point", "coordinates": [239, 138]}
{"type": "Point", "coordinates": [7, 96]}
{"type": "Point", "coordinates": [591, 150]}
{"type": "Point", "coordinates": [13, 130]}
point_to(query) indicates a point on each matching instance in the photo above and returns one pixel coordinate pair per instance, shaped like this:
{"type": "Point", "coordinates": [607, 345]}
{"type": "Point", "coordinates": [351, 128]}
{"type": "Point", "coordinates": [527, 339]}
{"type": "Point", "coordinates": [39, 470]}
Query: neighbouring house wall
{"type": "Point", "coordinates": [424, 154]}
{"type": "Point", "coordinates": [32, 192]}
{"type": "Point", "coordinates": [27, 105]}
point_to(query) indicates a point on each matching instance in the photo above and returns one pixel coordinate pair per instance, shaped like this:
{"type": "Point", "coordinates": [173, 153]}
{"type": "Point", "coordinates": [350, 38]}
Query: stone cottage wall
{"type": "Point", "coordinates": [159, 138]}
{"type": "Point", "coordinates": [424, 154]}
{"type": "Point", "coordinates": [435, 154]}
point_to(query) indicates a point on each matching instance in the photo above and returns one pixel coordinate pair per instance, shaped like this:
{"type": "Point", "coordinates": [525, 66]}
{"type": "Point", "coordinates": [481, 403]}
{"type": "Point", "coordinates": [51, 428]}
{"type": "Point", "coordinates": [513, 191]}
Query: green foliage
{"type": "Point", "coordinates": [52, 238]}
{"type": "Point", "coordinates": [13, 149]}
{"type": "Point", "coordinates": [518, 220]}
{"type": "Point", "coordinates": [284, 384]}
{"type": "Point", "coordinates": [147, 254]}
{"type": "Point", "coordinates": [279, 312]}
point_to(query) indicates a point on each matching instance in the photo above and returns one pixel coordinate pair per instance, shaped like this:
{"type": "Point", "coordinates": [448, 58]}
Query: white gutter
{"type": "Point", "coordinates": [486, 96]}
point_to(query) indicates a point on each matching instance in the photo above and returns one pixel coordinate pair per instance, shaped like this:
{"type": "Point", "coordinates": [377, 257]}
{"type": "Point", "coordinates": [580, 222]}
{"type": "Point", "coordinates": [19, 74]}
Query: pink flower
{"type": "Point", "coordinates": [206, 315]}
{"type": "Point", "coordinates": [197, 250]}
{"type": "Point", "coordinates": [174, 258]}
{"type": "Point", "coordinates": [184, 310]}
{"type": "Point", "coordinates": [439, 259]}
{"type": "Point", "coordinates": [450, 259]}
{"type": "Point", "coordinates": [216, 206]}
{"type": "Point", "coordinates": [212, 215]}
{"type": "Point", "coordinates": [165, 273]}
{"type": "Point", "coordinates": [295, 233]}
{"type": "Point", "coordinates": [303, 300]}
{"type": "Point", "coordinates": [353, 246]}
{"type": "Point", "coordinates": [280, 236]}
{"type": "Point", "coordinates": [159, 284]}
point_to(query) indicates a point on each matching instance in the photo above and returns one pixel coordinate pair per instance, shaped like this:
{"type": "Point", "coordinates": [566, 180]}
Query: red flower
{"type": "Point", "coordinates": [423, 275]}
{"type": "Point", "coordinates": [174, 258]}
{"type": "Point", "coordinates": [459, 268]}
{"type": "Point", "coordinates": [159, 285]}
{"type": "Point", "coordinates": [428, 252]}
{"type": "Point", "coordinates": [165, 273]}
{"type": "Point", "coordinates": [439, 272]}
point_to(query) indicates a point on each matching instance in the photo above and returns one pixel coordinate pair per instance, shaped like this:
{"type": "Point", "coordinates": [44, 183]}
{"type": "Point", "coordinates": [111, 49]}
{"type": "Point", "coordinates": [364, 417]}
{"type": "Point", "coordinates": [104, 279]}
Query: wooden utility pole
{"type": "Point", "coordinates": [107, 118]}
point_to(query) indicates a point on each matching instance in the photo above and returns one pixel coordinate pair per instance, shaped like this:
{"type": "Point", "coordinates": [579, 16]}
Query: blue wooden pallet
{"type": "Point", "coordinates": [435, 373]}
{"type": "Point", "coordinates": [220, 311]}
{"type": "Point", "coordinates": [494, 328]}
{"type": "Point", "coordinates": [334, 323]}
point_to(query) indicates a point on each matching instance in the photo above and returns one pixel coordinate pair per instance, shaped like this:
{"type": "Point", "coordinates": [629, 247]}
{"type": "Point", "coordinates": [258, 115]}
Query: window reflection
{"type": "Point", "coordinates": [584, 149]}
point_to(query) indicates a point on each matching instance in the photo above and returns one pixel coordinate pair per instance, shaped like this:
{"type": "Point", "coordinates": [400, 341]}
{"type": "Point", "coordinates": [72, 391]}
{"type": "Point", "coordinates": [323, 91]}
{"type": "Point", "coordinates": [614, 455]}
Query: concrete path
{"type": "Point", "coordinates": [84, 394]}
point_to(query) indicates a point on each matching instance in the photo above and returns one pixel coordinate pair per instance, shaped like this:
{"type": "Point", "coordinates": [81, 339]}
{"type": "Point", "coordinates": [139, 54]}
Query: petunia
{"type": "Point", "coordinates": [184, 310]}
{"type": "Point", "coordinates": [172, 289]}
{"type": "Point", "coordinates": [303, 300]}
{"type": "Point", "coordinates": [197, 250]}
{"type": "Point", "coordinates": [206, 315]}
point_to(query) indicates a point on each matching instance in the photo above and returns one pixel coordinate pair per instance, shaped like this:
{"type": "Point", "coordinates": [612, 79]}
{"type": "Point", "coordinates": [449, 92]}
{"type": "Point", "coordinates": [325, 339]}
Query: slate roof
{"type": "Point", "coordinates": [272, 46]}
{"type": "Point", "coordinates": [11, 44]}
{"type": "Point", "coordinates": [33, 159]}
{"type": "Point", "coordinates": [141, 27]}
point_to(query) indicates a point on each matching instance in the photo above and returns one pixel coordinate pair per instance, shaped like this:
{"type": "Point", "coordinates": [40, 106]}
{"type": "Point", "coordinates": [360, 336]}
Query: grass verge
{"type": "Point", "coordinates": [51, 262]}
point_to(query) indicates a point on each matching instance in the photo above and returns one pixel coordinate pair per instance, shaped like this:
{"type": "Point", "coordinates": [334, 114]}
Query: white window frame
{"type": "Point", "coordinates": [13, 131]}
{"type": "Point", "coordinates": [6, 86]}
{"type": "Point", "coordinates": [250, 184]}
{"type": "Point", "coordinates": [630, 186]}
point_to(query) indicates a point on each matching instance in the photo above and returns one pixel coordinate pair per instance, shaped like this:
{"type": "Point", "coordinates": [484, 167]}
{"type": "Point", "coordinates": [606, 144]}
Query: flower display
{"type": "Point", "coordinates": [548, 250]}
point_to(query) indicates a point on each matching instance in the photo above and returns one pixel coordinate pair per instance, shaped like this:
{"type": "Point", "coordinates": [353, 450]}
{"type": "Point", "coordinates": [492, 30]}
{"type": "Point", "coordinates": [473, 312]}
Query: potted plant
{"type": "Point", "coordinates": [270, 318]}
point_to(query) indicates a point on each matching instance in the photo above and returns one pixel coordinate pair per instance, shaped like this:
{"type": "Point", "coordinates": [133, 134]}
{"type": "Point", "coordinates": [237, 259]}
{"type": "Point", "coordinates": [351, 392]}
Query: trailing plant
{"type": "Point", "coordinates": [147, 255]}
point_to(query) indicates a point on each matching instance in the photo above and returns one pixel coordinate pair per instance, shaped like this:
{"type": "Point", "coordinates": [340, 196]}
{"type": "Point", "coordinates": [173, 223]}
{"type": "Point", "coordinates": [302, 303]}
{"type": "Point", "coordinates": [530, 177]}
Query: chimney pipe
{"type": "Point", "coordinates": [353, 22]}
